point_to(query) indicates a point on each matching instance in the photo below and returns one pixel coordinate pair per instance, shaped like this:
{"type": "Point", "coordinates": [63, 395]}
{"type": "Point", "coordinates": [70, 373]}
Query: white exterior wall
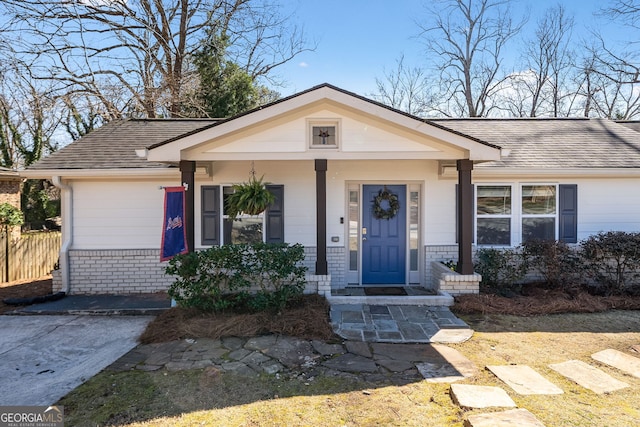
{"type": "Point", "coordinates": [607, 205]}
{"type": "Point", "coordinates": [604, 204]}
{"type": "Point", "coordinates": [112, 218]}
{"type": "Point", "coordinates": [118, 214]}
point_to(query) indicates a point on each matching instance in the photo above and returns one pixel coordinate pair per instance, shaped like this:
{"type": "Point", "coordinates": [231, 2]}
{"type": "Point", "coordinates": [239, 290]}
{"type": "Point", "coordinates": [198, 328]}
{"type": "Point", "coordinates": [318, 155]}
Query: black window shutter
{"type": "Point", "coordinates": [210, 212]}
{"type": "Point", "coordinates": [568, 210]}
{"type": "Point", "coordinates": [275, 216]}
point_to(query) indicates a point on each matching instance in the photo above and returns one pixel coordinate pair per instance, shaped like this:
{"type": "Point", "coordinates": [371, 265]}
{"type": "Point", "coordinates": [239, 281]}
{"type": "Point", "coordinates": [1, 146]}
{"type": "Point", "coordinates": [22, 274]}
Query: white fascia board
{"type": "Point", "coordinates": [329, 155]}
{"type": "Point", "coordinates": [600, 173]}
{"type": "Point", "coordinates": [172, 152]}
{"type": "Point", "coordinates": [477, 150]}
{"type": "Point", "coordinates": [100, 173]}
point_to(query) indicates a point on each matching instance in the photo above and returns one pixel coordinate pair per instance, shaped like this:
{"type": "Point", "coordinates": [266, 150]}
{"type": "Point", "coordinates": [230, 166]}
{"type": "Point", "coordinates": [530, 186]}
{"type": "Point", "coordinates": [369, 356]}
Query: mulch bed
{"type": "Point", "coordinates": [541, 302]}
{"type": "Point", "coordinates": [307, 318]}
{"type": "Point", "coordinates": [23, 289]}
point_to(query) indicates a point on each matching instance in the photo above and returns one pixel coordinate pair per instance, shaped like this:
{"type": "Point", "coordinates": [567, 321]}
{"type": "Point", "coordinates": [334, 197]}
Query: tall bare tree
{"type": "Point", "coordinates": [28, 119]}
{"type": "Point", "coordinates": [465, 41]}
{"type": "Point", "coordinates": [549, 57]}
{"type": "Point", "coordinates": [404, 88]}
{"type": "Point", "coordinates": [134, 56]}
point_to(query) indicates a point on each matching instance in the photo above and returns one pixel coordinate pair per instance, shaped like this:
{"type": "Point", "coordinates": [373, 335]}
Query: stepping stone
{"type": "Point", "coordinates": [620, 360]}
{"type": "Point", "coordinates": [479, 396]}
{"type": "Point", "coordinates": [456, 368]}
{"type": "Point", "coordinates": [452, 336]}
{"type": "Point", "coordinates": [463, 365]}
{"type": "Point", "coordinates": [588, 377]}
{"type": "Point", "coordinates": [351, 363]}
{"type": "Point", "coordinates": [510, 418]}
{"type": "Point", "coordinates": [524, 380]}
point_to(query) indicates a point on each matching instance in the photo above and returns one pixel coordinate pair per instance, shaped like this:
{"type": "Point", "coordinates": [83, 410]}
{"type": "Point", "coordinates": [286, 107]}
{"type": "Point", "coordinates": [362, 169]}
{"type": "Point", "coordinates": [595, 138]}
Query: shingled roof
{"type": "Point", "coordinates": [555, 143]}
{"type": "Point", "coordinates": [113, 145]}
{"type": "Point", "coordinates": [533, 143]}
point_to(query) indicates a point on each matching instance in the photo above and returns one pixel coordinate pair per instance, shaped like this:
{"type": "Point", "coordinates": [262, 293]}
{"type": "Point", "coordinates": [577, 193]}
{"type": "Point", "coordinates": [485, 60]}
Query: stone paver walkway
{"type": "Point", "coordinates": [480, 396]}
{"type": "Point", "coordinates": [398, 323]}
{"type": "Point", "coordinates": [617, 359]}
{"type": "Point", "coordinates": [588, 376]}
{"type": "Point", "coordinates": [274, 354]}
{"type": "Point", "coordinates": [510, 418]}
{"type": "Point", "coordinates": [524, 380]}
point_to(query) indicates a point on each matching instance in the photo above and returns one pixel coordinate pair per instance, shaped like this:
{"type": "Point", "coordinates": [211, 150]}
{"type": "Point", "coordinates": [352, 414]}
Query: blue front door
{"type": "Point", "coordinates": [384, 240]}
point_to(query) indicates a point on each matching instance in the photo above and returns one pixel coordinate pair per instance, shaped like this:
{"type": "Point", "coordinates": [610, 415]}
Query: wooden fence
{"type": "Point", "coordinates": [32, 255]}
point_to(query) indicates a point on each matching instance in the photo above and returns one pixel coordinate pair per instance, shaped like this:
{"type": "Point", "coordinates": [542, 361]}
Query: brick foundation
{"type": "Point", "coordinates": [117, 272]}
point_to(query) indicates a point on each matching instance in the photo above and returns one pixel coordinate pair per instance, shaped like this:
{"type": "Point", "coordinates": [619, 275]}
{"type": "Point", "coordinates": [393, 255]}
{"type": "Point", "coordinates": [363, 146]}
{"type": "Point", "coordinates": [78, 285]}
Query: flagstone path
{"type": "Point", "coordinates": [375, 361]}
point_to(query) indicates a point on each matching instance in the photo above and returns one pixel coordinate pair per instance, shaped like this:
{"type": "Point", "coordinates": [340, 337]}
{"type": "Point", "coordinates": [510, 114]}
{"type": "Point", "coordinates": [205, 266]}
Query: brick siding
{"type": "Point", "coordinates": [117, 272]}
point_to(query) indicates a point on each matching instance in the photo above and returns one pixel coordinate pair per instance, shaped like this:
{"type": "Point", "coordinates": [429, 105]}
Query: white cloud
{"type": "Point", "coordinates": [303, 64]}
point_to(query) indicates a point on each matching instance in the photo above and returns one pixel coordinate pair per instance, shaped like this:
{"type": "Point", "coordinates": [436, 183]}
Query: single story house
{"type": "Point", "coordinates": [375, 195]}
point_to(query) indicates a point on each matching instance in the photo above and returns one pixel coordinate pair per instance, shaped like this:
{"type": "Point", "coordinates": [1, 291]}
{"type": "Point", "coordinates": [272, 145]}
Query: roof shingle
{"type": "Point", "coordinates": [553, 143]}
{"type": "Point", "coordinates": [113, 145]}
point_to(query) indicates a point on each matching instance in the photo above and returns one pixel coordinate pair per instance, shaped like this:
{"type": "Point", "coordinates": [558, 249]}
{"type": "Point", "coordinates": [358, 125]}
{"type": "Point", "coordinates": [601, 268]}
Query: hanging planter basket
{"type": "Point", "coordinates": [250, 198]}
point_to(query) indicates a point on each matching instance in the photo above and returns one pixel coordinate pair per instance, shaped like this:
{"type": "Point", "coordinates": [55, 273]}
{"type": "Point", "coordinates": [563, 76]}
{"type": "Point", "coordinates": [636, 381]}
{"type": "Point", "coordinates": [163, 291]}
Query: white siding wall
{"type": "Point", "coordinates": [128, 215]}
{"type": "Point", "coordinates": [118, 214]}
{"type": "Point", "coordinates": [607, 205]}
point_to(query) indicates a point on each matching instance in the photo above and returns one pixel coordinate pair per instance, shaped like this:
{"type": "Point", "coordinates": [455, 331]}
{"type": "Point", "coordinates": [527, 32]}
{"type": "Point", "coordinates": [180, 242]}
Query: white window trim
{"type": "Point", "coordinates": [516, 210]}
{"type": "Point", "coordinates": [523, 215]}
{"type": "Point", "coordinates": [311, 123]}
{"type": "Point", "coordinates": [488, 216]}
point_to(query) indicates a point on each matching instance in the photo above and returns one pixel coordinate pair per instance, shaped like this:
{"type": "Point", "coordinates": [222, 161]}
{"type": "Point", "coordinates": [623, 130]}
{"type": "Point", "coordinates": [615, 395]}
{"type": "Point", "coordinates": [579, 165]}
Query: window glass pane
{"type": "Point", "coordinates": [246, 230]}
{"type": "Point", "coordinates": [354, 226]}
{"type": "Point", "coordinates": [538, 228]}
{"type": "Point", "coordinates": [494, 200]}
{"type": "Point", "coordinates": [539, 199]}
{"type": "Point", "coordinates": [494, 231]}
{"type": "Point", "coordinates": [413, 230]}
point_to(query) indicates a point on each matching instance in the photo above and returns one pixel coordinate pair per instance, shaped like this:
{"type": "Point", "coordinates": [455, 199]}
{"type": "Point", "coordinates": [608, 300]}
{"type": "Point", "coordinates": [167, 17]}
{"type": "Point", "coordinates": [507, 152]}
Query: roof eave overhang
{"type": "Point", "coordinates": [100, 173]}
{"type": "Point", "coordinates": [550, 173]}
{"type": "Point", "coordinates": [175, 150]}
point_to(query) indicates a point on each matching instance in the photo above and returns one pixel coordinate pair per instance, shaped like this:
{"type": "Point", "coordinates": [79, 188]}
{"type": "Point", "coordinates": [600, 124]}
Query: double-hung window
{"type": "Point", "coordinates": [539, 212]}
{"type": "Point", "coordinates": [243, 229]}
{"type": "Point", "coordinates": [493, 215]}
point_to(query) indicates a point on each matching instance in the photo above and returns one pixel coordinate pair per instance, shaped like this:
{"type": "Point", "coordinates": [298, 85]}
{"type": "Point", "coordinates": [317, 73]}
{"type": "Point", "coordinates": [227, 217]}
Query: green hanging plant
{"type": "Point", "coordinates": [251, 198]}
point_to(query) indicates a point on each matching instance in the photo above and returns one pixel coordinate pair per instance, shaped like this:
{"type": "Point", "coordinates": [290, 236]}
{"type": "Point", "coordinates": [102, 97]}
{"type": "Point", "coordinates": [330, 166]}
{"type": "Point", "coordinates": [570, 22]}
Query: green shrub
{"type": "Point", "coordinates": [257, 276]}
{"type": "Point", "coordinates": [556, 261]}
{"type": "Point", "coordinates": [502, 270]}
{"type": "Point", "coordinates": [613, 259]}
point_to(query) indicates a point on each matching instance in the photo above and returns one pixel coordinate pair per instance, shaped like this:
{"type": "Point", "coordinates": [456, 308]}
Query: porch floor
{"type": "Point", "coordinates": [398, 323]}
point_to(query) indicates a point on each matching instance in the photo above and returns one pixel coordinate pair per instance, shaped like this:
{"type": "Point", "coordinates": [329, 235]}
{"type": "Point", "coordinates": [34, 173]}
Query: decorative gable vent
{"type": "Point", "coordinates": [323, 133]}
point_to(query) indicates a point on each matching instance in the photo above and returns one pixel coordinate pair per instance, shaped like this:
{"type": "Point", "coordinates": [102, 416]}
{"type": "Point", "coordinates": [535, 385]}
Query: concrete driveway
{"type": "Point", "coordinates": [42, 358]}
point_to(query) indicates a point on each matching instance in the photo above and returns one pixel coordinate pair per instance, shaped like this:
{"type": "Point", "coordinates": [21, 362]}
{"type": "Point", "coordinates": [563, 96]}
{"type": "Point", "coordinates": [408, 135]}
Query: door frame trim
{"type": "Point", "coordinates": [411, 277]}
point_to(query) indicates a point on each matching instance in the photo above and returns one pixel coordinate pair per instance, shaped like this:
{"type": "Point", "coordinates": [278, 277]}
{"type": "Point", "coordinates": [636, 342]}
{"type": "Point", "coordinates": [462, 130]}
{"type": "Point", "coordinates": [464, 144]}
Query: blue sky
{"type": "Point", "coordinates": [359, 39]}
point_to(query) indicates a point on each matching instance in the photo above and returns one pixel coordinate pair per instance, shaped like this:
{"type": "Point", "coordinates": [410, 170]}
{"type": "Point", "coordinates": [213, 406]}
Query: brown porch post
{"type": "Point", "coordinates": [187, 170]}
{"type": "Point", "coordinates": [321, 216]}
{"type": "Point", "coordinates": [465, 216]}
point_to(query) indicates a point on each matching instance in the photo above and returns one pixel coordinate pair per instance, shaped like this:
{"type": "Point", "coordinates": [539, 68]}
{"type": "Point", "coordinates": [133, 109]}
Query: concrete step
{"type": "Point", "coordinates": [415, 295]}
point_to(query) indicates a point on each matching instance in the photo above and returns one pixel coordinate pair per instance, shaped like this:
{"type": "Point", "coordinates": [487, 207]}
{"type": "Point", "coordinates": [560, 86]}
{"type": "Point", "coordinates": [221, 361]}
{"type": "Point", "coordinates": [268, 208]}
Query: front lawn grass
{"type": "Point", "coordinates": [203, 397]}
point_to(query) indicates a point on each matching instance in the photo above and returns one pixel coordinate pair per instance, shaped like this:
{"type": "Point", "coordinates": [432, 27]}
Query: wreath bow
{"type": "Point", "coordinates": [381, 212]}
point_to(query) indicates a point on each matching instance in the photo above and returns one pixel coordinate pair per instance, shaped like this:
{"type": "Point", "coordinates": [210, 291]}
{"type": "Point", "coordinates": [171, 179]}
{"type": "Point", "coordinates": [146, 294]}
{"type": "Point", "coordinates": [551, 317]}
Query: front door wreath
{"type": "Point", "coordinates": [385, 205]}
